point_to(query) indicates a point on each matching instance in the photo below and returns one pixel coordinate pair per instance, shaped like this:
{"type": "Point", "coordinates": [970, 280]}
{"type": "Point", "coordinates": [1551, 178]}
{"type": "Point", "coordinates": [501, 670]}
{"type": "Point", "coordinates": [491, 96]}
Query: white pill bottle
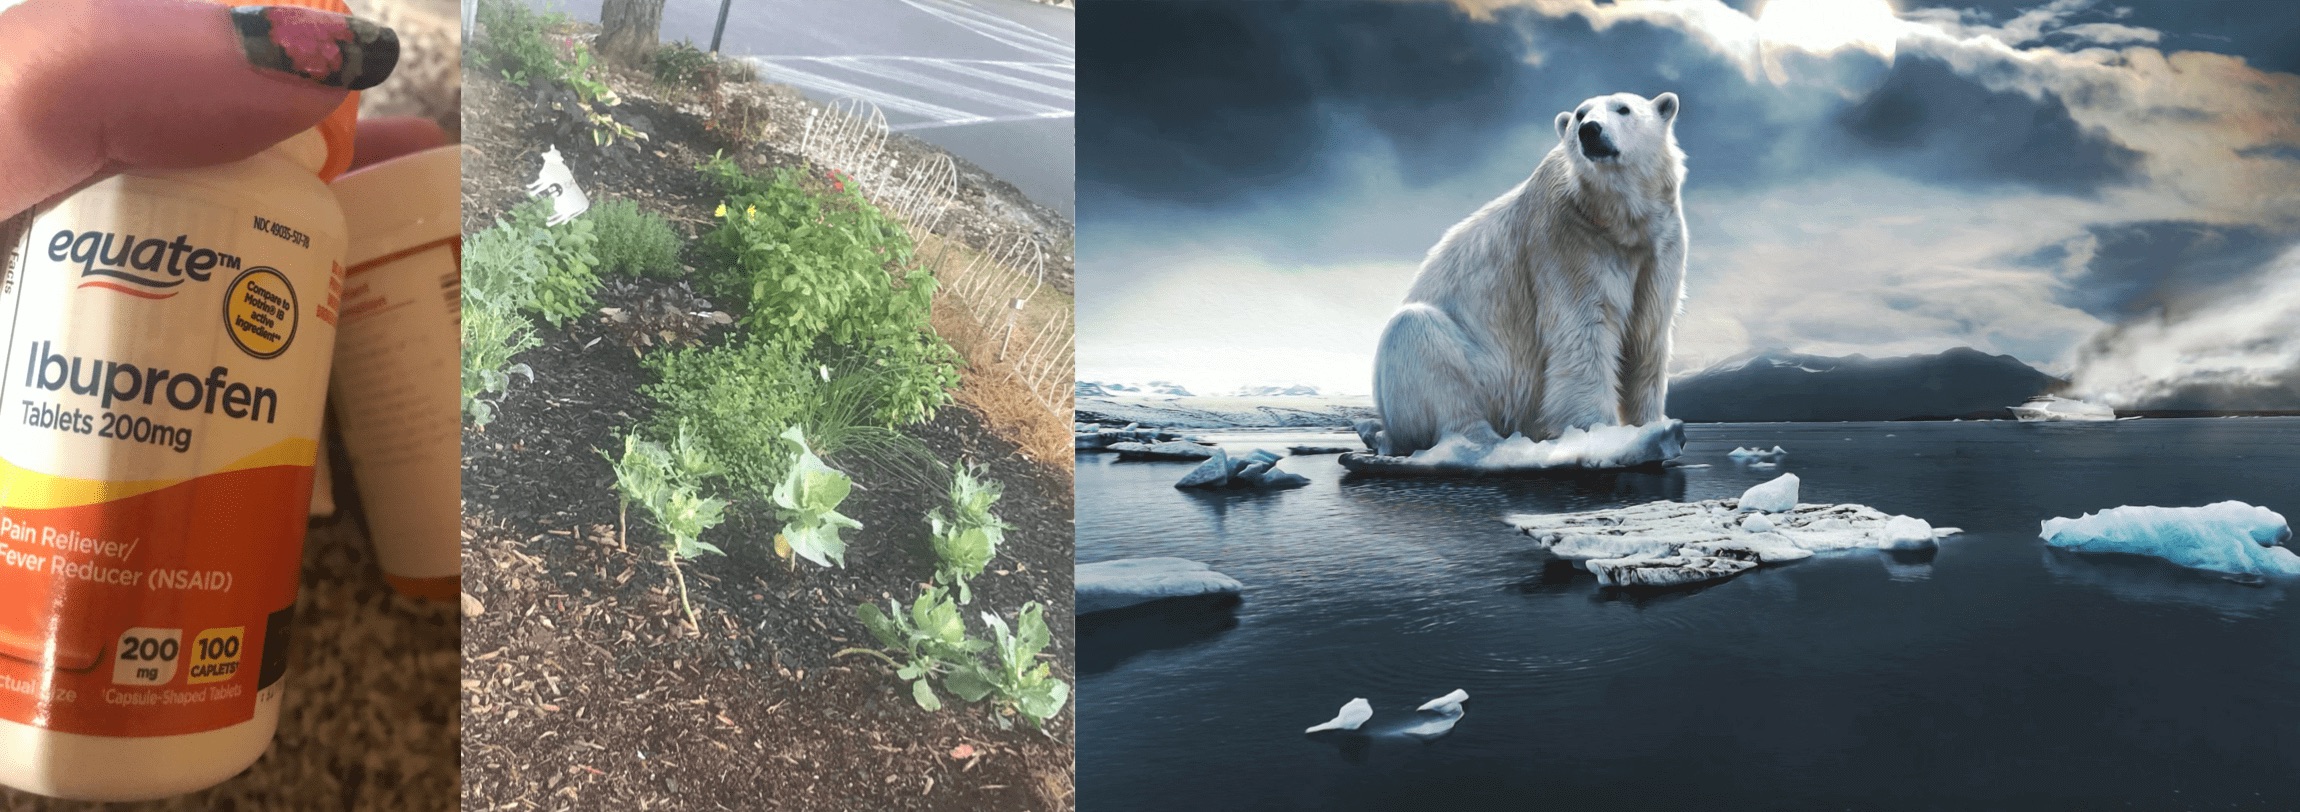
{"type": "Point", "coordinates": [164, 374]}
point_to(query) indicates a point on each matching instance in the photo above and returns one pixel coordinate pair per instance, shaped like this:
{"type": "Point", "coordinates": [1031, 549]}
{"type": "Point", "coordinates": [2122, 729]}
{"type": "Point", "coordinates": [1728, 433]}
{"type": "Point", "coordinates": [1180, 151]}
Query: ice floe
{"type": "Point", "coordinates": [1107, 585]}
{"type": "Point", "coordinates": [1353, 714]}
{"type": "Point", "coordinates": [1677, 543]}
{"type": "Point", "coordinates": [1168, 450]}
{"type": "Point", "coordinates": [1593, 448]}
{"type": "Point", "coordinates": [1432, 726]}
{"type": "Point", "coordinates": [2230, 537]}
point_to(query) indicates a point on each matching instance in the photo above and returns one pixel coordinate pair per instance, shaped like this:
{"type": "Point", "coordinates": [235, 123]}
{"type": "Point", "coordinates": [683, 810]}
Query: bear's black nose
{"type": "Point", "coordinates": [1594, 144]}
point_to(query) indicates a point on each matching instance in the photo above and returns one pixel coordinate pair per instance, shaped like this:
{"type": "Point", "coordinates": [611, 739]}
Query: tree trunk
{"type": "Point", "coordinates": [630, 25]}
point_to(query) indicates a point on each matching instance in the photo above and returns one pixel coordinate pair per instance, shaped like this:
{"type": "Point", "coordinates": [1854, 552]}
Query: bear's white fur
{"type": "Point", "coordinates": [1550, 308]}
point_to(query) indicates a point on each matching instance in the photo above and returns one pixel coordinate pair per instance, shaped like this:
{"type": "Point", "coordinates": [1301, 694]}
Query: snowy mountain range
{"type": "Point", "coordinates": [1784, 386]}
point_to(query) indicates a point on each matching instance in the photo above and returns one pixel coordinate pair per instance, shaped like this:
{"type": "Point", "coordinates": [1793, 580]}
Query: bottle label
{"type": "Point", "coordinates": [161, 388]}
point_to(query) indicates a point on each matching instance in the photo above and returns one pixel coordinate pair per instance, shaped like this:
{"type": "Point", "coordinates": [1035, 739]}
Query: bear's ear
{"type": "Point", "coordinates": [1564, 121]}
{"type": "Point", "coordinates": [1666, 106]}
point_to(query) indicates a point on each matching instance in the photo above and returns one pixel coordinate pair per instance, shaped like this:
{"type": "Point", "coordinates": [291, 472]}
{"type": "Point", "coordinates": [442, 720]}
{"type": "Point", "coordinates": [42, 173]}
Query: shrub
{"type": "Point", "coordinates": [499, 266]}
{"type": "Point", "coordinates": [565, 282]}
{"type": "Point", "coordinates": [806, 502]}
{"type": "Point", "coordinates": [492, 334]}
{"type": "Point", "coordinates": [634, 242]}
{"type": "Point", "coordinates": [739, 398]}
{"type": "Point", "coordinates": [969, 535]}
{"type": "Point", "coordinates": [826, 271]}
{"type": "Point", "coordinates": [515, 45]}
{"type": "Point", "coordinates": [736, 400]}
{"type": "Point", "coordinates": [664, 481]}
{"type": "Point", "coordinates": [682, 64]}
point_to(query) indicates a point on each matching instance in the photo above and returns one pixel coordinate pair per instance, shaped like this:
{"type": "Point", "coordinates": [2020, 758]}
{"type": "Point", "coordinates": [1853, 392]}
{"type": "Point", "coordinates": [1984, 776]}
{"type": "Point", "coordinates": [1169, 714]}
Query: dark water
{"type": "Point", "coordinates": [1996, 675]}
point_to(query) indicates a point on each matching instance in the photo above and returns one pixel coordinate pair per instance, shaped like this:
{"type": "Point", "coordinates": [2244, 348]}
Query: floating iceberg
{"type": "Point", "coordinates": [1107, 585]}
{"type": "Point", "coordinates": [1093, 437]}
{"type": "Point", "coordinates": [1671, 543]}
{"type": "Point", "coordinates": [1758, 455]}
{"type": "Point", "coordinates": [1776, 496]}
{"type": "Point", "coordinates": [1594, 448]}
{"type": "Point", "coordinates": [1168, 450]}
{"type": "Point", "coordinates": [1353, 714]}
{"type": "Point", "coordinates": [1432, 727]}
{"type": "Point", "coordinates": [1256, 470]}
{"type": "Point", "coordinates": [2050, 409]}
{"type": "Point", "coordinates": [1449, 702]}
{"type": "Point", "coordinates": [2231, 537]}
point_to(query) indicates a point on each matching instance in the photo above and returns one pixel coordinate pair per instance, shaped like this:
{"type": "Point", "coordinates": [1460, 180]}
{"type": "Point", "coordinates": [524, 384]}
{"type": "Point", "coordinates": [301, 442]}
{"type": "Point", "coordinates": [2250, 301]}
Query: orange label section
{"type": "Point", "coordinates": [156, 614]}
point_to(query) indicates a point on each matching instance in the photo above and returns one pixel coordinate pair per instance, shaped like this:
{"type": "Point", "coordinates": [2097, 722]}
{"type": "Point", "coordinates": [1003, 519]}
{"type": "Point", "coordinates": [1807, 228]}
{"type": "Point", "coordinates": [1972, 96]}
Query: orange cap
{"type": "Point", "coordinates": [340, 127]}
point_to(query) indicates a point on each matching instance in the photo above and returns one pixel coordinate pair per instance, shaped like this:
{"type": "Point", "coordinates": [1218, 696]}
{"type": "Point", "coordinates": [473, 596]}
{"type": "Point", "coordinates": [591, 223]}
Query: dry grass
{"type": "Point", "coordinates": [993, 386]}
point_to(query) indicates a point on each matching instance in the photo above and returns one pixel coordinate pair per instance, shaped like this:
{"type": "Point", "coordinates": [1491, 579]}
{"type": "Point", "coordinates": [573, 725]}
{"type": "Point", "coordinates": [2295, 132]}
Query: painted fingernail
{"type": "Point", "coordinates": [330, 49]}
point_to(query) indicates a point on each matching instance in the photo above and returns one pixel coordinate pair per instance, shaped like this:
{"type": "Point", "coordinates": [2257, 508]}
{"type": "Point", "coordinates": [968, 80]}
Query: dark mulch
{"type": "Point", "coordinates": [583, 685]}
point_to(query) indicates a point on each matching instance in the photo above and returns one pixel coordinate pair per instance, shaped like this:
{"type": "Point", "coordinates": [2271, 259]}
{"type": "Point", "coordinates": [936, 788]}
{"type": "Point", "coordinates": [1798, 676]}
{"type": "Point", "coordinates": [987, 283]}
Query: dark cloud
{"type": "Point", "coordinates": [1930, 122]}
{"type": "Point", "coordinates": [1212, 102]}
{"type": "Point", "coordinates": [2146, 268]}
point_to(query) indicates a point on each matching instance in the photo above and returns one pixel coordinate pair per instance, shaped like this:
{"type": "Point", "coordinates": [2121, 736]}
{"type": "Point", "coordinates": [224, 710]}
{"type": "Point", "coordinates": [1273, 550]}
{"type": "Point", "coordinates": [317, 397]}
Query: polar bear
{"type": "Point", "coordinates": [1549, 308]}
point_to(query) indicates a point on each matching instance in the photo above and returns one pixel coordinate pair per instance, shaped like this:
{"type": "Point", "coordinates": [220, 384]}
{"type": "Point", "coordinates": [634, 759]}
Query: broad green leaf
{"type": "Point", "coordinates": [925, 696]}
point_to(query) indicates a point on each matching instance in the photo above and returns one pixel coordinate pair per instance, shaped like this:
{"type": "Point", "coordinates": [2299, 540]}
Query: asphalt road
{"type": "Point", "coordinates": [989, 80]}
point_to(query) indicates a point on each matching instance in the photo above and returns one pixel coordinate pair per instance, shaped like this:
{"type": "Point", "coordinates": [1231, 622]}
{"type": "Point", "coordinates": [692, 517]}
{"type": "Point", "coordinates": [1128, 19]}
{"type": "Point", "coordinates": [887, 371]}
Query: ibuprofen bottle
{"type": "Point", "coordinates": [164, 374]}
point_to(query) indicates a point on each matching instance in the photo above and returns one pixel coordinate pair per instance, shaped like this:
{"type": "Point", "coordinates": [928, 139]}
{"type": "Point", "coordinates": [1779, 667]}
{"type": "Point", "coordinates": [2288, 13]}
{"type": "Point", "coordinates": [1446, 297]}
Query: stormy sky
{"type": "Point", "coordinates": [2109, 191]}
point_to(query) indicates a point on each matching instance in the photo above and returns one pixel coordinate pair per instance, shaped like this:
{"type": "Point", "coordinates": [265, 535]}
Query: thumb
{"type": "Point", "coordinates": [91, 86]}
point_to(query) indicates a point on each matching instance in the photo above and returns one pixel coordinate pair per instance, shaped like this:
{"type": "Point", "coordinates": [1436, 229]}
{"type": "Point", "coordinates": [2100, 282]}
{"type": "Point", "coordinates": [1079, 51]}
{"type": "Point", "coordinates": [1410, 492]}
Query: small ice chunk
{"type": "Point", "coordinates": [1450, 701]}
{"type": "Point", "coordinates": [1431, 727]}
{"type": "Point", "coordinates": [1353, 714]}
{"type": "Point", "coordinates": [1277, 480]}
{"type": "Point", "coordinates": [1107, 585]}
{"type": "Point", "coordinates": [1757, 523]}
{"type": "Point", "coordinates": [1213, 473]}
{"type": "Point", "coordinates": [1907, 533]}
{"type": "Point", "coordinates": [1758, 454]}
{"type": "Point", "coordinates": [1656, 571]}
{"type": "Point", "coordinates": [2231, 537]}
{"type": "Point", "coordinates": [1777, 496]}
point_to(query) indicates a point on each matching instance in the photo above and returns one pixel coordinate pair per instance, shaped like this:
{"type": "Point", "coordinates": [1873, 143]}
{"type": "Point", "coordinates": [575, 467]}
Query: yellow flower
{"type": "Point", "coordinates": [721, 213]}
{"type": "Point", "coordinates": [751, 213]}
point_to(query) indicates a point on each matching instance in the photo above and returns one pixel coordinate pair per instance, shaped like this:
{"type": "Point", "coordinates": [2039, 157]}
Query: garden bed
{"type": "Point", "coordinates": [588, 686]}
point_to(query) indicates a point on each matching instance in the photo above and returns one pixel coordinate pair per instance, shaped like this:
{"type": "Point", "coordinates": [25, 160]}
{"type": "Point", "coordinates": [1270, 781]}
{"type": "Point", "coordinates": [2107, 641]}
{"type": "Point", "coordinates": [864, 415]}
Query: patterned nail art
{"type": "Point", "coordinates": [330, 49]}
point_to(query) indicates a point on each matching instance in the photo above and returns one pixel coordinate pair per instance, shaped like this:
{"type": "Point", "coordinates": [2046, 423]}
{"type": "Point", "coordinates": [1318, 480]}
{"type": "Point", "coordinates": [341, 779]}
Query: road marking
{"type": "Point", "coordinates": [1066, 94]}
{"type": "Point", "coordinates": [887, 101]}
{"type": "Point", "coordinates": [998, 29]}
{"type": "Point", "coordinates": [935, 125]}
{"type": "Point", "coordinates": [970, 92]}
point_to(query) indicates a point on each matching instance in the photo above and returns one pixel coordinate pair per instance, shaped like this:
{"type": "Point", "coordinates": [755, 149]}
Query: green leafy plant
{"type": "Point", "coordinates": [806, 502]}
{"type": "Point", "coordinates": [822, 269]}
{"type": "Point", "coordinates": [515, 45]}
{"type": "Point", "coordinates": [966, 538]}
{"type": "Point", "coordinates": [631, 241]}
{"type": "Point", "coordinates": [594, 97]}
{"type": "Point", "coordinates": [1016, 680]}
{"type": "Point", "coordinates": [664, 482]}
{"type": "Point", "coordinates": [492, 334]}
{"type": "Point", "coordinates": [499, 268]}
{"type": "Point", "coordinates": [929, 641]}
{"type": "Point", "coordinates": [740, 397]}
{"type": "Point", "coordinates": [563, 281]}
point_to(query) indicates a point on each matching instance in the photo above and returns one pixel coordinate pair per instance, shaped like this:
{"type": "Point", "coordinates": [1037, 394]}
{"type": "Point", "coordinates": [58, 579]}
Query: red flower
{"type": "Point", "coordinates": [311, 39]}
